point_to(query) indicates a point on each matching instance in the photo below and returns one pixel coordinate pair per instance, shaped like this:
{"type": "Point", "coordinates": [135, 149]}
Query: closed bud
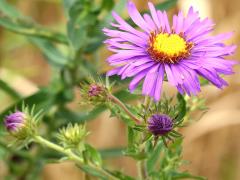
{"type": "Point", "coordinates": [160, 124]}
{"type": "Point", "coordinates": [94, 93]}
{"type": "Point", "coordinates": [22, 124]}
{"type": "Point", "coordinates": [15, 122]}
{"type": "Point", "coordinates": [72, 136]}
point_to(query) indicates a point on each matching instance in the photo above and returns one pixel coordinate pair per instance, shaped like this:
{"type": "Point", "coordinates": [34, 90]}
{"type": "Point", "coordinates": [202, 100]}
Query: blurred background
{"type": "Point", "coordinates": [211, 144]}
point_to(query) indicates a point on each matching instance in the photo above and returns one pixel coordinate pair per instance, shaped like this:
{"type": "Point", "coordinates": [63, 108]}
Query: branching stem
{"type": "Point", "coordinates": [72, 156]}
{"type": "Point", "coordinates": [120, 103]}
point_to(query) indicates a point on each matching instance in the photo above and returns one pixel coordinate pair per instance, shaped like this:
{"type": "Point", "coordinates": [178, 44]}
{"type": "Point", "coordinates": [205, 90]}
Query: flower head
{"type": "Point", "coordinates": [182, 51]}
{"type": "Point", "coordinates": [23, 124]}
{"type": "Point", "coordinates": [15, 121]}
{"type": "Point", "coordinates": [94, 92]}
{"type": "Point", "coordinates": [160, 124]}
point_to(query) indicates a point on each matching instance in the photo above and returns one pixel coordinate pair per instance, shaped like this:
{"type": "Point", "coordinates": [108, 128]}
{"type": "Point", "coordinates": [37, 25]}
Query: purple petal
{"type": "Point", "coordinates": [159, 82]}
{"type": "Point", "coordinates": [126, 27]}
{"type": "Point", "coordinates": [137, 18]}
{"type": "Point", "coordinates": [150, 80]}
{"type": "Point", "coordinates": [136, 80]}
{"type": "Point", "coordinates": [154, 15]}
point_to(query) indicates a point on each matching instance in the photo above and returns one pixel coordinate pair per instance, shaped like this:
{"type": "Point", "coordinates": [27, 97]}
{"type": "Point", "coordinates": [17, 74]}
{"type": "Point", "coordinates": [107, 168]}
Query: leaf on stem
{"type": "Point", "coordinates": [13, 20]}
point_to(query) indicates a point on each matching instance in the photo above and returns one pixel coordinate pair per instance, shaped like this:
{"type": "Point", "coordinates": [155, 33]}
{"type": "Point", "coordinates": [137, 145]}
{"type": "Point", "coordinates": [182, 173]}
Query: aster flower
{"type": "Point", "coordinates": [163, 118]}
{"type": "Point", "coordinates": [182, 51]}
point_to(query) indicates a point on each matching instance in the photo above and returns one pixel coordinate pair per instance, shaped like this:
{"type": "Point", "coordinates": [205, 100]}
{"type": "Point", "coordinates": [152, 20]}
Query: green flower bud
{"type": "Point", "coordinates": [72, 136]}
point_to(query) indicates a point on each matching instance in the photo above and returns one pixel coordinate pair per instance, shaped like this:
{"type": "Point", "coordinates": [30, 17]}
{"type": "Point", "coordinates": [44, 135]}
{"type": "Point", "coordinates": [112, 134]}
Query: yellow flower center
{"type": "Point", "coordinates": [170, 45]}
{"type": "Point", "coordinates": [168, 48]}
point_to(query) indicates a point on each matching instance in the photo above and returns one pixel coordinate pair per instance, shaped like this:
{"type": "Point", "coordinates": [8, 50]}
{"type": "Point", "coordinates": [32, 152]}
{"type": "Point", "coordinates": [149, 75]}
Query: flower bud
{"type": "Point", "coordinates": [95, 90]}
{"type": "Point", "coordinates": [93, 93]}
{"type": "Point", "coordinates": [72, 136]}
{"type": "Point", "coordinates": [160, 124]}
{"type": "Point", "coordinates": [15, 122]}
{"type": "Point", "coordinates": [22, 124]}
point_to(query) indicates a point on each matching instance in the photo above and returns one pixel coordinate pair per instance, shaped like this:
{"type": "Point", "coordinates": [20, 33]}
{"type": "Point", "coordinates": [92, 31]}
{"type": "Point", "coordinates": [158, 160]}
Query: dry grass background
{"type": "Point", "coordinates": [211, 144]}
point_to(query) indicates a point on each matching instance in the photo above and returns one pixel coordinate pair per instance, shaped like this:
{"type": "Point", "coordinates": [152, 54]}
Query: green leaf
{"type": "Point", "coordinates": [125, 95]}
{"type": "Point", "coordinates": [9, 90]}
{"type": "Point", "coordinates": [111, 153]}
{"type": "Point", "coordinates": [121, 176]}
{"type": "Point", "coordinates": [77, 35]}
{"type": "Point", "coordinates": [93, 172]}
{"type": "Point", "coordinates": [8, 10]}
{"type": "Point", "coordinates": [166, 4]}
{"type": "Point", "coordinates": [107, 4]}
{"type": "Point", "coordinates": [186, 175]}
{"type": "Point", "coordinates": [14, 21]}
{"type": "Point", "coordinates": [119, 7]}
{"type": "Point", "coordinates": [182, 108]}
{"type": "Point", "coordinates": [96, 37]}
{"type": "Point", "coordinates": [53, 55]}
{"type": "Point", "coordinates": [93, 155]}
{"type": "Point", "coordinates": [82, 20]}
{"type": "Point", "coordinates": [43, 100]}
{"type": "Point", "coordinates": [136, 155]}
{"type": "Point", "coordinates": [130, 137]}
{"type": "Point", "coordinates": [67, 4]}
{"type": "Point", "coordinates": [141, 128]}
{"type": "Point", "coordinates": [153, 158]}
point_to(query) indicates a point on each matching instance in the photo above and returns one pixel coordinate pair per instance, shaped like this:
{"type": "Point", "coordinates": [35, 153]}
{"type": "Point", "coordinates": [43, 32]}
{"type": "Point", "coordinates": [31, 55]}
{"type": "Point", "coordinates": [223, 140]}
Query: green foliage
{"type": "Point", "coordinates": [73, 56]}
{"type": "Point", "coordinates": [14, 21]}
{"type": "Point", "coordinates": [52, 54]}
{"type": "Point", "coordinates": [91, 155]}
{"type": "Point", "coordinates": [166, 4]}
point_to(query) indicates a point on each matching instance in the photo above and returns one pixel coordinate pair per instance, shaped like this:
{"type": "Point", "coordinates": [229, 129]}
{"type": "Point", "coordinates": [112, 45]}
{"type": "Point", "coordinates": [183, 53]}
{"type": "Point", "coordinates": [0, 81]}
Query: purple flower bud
{"type": "Point", "coordinates": [160, 124]}
{"type": "Point", "coordinates": [15, 121]}
{"type": "Point", "coordinates": [94, 90]}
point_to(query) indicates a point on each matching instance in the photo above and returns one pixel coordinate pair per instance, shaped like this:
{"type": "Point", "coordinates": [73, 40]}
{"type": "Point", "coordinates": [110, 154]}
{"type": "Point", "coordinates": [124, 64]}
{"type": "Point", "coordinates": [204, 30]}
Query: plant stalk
{"type": "Point", "coordinates": [72, 156]}
{"type": "Point", "coordinates": [120, 103]}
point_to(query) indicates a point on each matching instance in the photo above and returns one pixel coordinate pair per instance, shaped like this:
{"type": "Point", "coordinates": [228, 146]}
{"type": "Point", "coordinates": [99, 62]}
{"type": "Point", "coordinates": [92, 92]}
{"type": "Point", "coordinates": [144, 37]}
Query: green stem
{"type": "Point", "coordinates": [72, 156]}
{"type": "Point", "coordinates": [142, 170]}
{"type": "Point", "coordinates": [30, 29]}
{"type": "Point", "coordinates": [139, 169]}
{"type": "Point", "coordinates": [147, 101]}
{"type": "Point", "coordinates": [120, 103]}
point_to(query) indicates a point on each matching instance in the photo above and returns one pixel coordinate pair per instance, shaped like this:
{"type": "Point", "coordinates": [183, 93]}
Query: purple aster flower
{"type": "Point", "coordinates": [15, 121]}
{"type": "Point", "coordinates": [160, 124]}
{"type": "Point", "coordinates": [182, 51]}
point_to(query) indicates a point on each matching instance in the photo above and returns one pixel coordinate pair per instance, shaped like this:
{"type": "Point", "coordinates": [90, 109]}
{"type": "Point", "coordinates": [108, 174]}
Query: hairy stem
{"type": "Point", "coordinates": [120, 103]}
{"type": "Point", "coordinates": [72, 156]}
